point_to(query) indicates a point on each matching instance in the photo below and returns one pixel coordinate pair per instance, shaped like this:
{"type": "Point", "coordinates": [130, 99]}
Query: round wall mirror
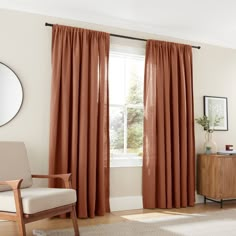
{"type": "Point", "coordinates": [11, 94]}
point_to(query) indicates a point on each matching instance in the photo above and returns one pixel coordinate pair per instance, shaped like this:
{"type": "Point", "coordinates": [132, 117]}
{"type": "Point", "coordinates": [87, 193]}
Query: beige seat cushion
{"type": "Point", "coordinates": [37, 199]}
{"type": "Point", "coordinates": [14, 164]}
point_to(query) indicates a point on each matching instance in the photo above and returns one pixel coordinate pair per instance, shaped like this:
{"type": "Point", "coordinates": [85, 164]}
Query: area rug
{"type": "Point", "coordinates": [204, 224]}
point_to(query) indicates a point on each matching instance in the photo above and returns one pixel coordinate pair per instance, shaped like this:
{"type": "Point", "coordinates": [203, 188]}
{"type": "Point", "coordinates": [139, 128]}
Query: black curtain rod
{"type": "Point", "coordinates": [125, 37]}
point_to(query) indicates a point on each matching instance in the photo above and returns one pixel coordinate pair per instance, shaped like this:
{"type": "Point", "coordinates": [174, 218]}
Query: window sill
{"type": "Point", "coordinates": [126, 162]}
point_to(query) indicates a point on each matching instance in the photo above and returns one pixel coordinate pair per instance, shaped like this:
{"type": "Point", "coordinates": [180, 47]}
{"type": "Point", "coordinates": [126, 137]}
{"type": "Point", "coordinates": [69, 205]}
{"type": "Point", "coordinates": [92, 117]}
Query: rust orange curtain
{"type": "Point", "coordinates": [169, 148]}
{"type": "Point", "coordinates": [79, 130]}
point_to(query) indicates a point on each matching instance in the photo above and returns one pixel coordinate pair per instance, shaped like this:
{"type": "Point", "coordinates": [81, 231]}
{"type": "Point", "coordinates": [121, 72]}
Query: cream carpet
{"type": "Point", "coordinates": [204, 224]}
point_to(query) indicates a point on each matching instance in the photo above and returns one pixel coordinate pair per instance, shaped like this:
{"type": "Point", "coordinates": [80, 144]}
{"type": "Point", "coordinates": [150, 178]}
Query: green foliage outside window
{"type": "Point", "coordinates": [134, 119]}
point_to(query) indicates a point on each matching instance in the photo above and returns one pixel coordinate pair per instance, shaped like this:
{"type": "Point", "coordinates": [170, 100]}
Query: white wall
{"type": "Point", "coordinates": [25, 45]}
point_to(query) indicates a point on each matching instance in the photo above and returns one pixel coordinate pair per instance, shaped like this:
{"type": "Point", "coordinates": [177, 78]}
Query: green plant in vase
{"type": "Point", "coordinates": [209, 126]}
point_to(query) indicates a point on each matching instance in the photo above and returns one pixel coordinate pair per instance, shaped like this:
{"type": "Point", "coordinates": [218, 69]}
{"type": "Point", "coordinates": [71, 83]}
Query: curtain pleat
{"type": "Point", "coordinates": [169, 150]}
{"type": "Point", "coordinates": [79, 134]}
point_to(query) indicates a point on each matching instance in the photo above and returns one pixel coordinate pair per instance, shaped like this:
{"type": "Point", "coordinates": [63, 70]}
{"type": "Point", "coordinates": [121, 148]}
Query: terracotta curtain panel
{"type": "Point", "coordinates": [79, 129]}
{"type": "Point", "coordinates": [169, 146]}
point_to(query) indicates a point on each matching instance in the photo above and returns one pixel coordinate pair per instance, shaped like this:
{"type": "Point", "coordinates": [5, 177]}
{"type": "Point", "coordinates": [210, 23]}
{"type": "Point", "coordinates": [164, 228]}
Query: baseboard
{"type": "Point", "coordinates": [135, 202]}
{"type": "Point", "coordinates": [126, 203]}
{"type": "Point", "coordinates": [198, 198]}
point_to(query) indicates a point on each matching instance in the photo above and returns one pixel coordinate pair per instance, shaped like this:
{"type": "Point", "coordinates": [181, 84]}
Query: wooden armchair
{"type": "Point", "coordinates": [21, 202]}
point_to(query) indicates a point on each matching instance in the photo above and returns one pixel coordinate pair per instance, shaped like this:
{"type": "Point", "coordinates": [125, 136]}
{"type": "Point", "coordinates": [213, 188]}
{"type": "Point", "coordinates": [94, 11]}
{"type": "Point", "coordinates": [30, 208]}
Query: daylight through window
{"type": "Point", "coordinates": [126, 79]}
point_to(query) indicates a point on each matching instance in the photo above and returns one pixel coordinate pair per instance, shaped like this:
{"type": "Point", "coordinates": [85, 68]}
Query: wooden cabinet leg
{"type": "Point", "coordinates": [221, 203]}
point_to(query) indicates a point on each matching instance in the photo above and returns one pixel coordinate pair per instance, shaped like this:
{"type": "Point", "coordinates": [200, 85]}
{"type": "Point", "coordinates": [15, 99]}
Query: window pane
{"type": "Point", "coordinates": [126, 79]}
{"type": "Point", "coordinates": [116, 79]}
{"type": "Point", "coordinates": [135, 80]}
{"type": "Point", "coordinates": [135, 130]}
{"type": "Point", "coordinates": [116, 130]}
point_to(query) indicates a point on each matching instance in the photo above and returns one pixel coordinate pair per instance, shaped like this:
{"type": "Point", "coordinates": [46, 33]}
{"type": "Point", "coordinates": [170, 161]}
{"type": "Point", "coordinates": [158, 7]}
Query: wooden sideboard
{"type": "Point", "coordinates": [216, 177]}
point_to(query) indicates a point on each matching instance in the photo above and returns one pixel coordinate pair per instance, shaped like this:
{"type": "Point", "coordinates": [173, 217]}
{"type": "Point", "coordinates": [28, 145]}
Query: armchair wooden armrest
{"type": "Point", "coordinates": [65, 177]}
{"type": "Point", "coordinates": [14, 184]}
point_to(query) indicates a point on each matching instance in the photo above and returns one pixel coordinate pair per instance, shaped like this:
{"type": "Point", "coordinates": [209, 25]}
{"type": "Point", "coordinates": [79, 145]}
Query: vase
{"type": "Point", "coordinates": [209, 145]}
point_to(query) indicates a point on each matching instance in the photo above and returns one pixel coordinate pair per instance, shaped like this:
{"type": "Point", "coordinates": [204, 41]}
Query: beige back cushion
{"type": "Point", "coordinates": [14, 164]}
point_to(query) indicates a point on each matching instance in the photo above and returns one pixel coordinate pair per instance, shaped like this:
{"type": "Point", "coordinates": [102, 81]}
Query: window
{"type": "Point", "coordinates": [126, 79]}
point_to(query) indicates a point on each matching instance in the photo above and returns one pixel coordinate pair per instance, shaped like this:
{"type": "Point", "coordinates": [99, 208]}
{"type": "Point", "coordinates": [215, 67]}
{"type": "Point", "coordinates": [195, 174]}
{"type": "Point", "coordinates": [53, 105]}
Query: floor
{"type": "Point", "coordinates": [10, 228]}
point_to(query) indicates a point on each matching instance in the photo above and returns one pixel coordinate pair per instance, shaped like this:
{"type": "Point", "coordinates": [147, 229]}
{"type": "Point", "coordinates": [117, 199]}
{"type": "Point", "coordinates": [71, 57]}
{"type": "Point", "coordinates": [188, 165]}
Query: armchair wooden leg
{"type": "Point", "coordinates": [75, 221]}
{"type": "Point", "coordinates": [19, 209]}
{"type": "Point", "coordinates": [21, 227]}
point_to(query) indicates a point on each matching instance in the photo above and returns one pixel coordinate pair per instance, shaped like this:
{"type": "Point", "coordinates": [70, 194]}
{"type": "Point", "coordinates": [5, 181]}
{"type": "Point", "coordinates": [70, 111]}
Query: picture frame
{"type": "Point", "coordinates": [216, 107]}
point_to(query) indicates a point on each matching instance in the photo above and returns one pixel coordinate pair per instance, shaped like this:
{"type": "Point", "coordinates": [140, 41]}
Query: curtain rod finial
{"type": "Point", "coordinates": [47, 24]}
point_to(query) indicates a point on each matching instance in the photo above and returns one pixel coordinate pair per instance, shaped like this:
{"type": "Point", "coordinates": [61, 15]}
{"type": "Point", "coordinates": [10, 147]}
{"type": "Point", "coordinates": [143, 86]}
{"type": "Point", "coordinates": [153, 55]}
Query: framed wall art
{"type": "Point", "coordinates": [216, 107]}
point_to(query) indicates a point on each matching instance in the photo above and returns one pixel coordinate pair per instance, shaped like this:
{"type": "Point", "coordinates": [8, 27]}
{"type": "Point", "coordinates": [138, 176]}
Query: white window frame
{"type": "Point", "coordinates": [130, 48]}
